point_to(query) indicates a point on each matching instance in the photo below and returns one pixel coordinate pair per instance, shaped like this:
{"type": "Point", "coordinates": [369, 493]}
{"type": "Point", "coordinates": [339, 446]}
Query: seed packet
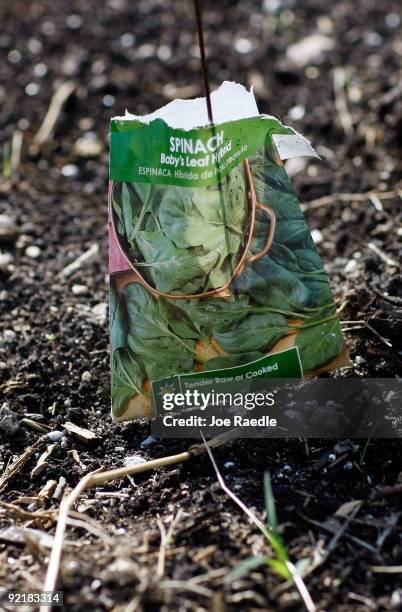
{"type": "Point", "coordinates": [213, 270]}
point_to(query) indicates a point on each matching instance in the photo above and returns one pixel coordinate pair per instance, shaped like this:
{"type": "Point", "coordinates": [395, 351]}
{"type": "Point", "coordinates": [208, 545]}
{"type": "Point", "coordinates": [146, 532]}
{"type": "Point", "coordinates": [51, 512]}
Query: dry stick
{"type": "Point", "coordinates": [368, 326]}
{"type": "Point", "coordinates": [341, 103]}
{"type": "Point", "coordinates": [297, 579]}
{"type": "Point", "coordinates": [166, 537]}
{"type": "Point", "coordinates": [385, 258]}
{"type": "Point", "coordinates": [333, 543]}
{"type": "Point", "coordinates": [77, 263]}
{"type": "Point", "coordinates": [56, 105]}
{"type": "Point", "coordinates": [16, 147]}
{"type": "Point", "coordinates": [97, 478]}
{"type": "Point", "coordinates": [15, 467]}
{"type": "Point", "coordinates": [387, 569]}
{"type": "Point", "coordinates": [350, 197]}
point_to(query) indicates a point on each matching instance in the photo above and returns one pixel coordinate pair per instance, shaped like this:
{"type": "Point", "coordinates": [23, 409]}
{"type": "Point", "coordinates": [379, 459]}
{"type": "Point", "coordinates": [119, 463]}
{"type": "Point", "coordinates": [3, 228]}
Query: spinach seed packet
{"type": "Point", "coordinates": [213, 270]}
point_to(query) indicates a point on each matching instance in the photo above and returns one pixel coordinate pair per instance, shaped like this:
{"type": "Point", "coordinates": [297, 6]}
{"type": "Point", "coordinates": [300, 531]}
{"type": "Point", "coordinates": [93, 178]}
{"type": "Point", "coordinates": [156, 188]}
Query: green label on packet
{"type": "Point", "coordinates": [156, 153]}
{"type": "Point", "coordinates": [285, 364]}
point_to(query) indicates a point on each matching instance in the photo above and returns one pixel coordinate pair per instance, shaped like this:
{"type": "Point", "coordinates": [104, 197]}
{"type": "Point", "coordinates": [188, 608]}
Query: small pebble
{"type": "Point", "coordinates": [228, 465]}
{"type": "Point", "coordinates": [9, 421]}
{"type": "Point", "coordinates": [55, 436]}
{"type": "Point", "coordinates": [96, 584]}
{"type": "Point", "coordinates": [72, 566]}
{"type": "Point", "coordinates": [348, 466]}
{"type": "Point", "coordinates": [134, 460]}
{"type": "Point", "coordinates": [243, 45]}
{"type": "Point", "coordinates": [69, 170]}
{"type": "Point", "coordinates": [100, 312]}
{"type": "Point", "coordinates": [74, 22]}
{"type": "Point", "coordinates": [350, 267]}
{"type": "Point", "coordinates": [88, 145]}
{"type": "Point", "coordinates": [148, 441]}
{"type": "Point", "coordinates": [86, 376]}
{"type": "Point", "coordinates": [287, 468]}
{"type": "Point", "coordinates": [32, 508]}
{"type": "Point", "coordinates": [33, 251]}
{"type": "Point", "coordinates": [331, 457]}
{"type": "Point", "coordinates": [317, 236]}
{"type": "Point", "coordinates": [9, 335]}
{"type": "Point", "coordinates": [297, 112]}
{"type": "Point", "coordinates": [5, 260]}
{"type": "Point", "coordinates": [359, 360]}
{"type": "Point", "coordinates": [8, 229]}
{"type": "Point", "coordinates": [79, 289]}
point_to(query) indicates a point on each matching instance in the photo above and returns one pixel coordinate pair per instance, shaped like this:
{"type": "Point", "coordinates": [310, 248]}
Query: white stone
{"type": "Point", "coordinates": [79, 289]}
{"type": "Point", "coordinates": [33, 251]}
{"type": "Point", "coordinates": [350, 267]}
{"type": "Point", "coordinates": [243, 45]}
{"type": "Point", "coordinates": [9, 335]}
{"type": "Point", "coordinates": [100, 312]}
{"type": "Point", "coordinates": [55, 436]}
{"type": "Point", "coordinates": [134, 460]}
{"type": "Point", "coordinates": [317, 236]}
{"type": "Point", "coordinates": [5, 260]}
{"type": "Point", "coordinates": [297, 112]}
{"type": "Point", "coordinates": [309, 49]}
{"type": "Point", "coordinates": [88, 145]}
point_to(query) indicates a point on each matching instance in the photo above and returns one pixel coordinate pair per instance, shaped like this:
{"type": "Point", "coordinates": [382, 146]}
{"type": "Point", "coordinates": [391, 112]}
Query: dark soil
{"type": "Point", "coordinates": [59, 334]}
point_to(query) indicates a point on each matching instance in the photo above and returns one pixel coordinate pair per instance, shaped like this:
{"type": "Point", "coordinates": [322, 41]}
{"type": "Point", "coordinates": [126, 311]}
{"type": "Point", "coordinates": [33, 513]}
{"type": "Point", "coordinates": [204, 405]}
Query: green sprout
{"type": "Point", "coordinates": [280, 562]}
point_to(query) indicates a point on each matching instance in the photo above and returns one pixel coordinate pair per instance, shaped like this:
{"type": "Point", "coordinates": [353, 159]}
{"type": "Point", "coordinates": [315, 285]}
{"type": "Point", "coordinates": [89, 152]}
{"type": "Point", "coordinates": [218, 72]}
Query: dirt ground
{"type": "Point", "coordinates": [54, 359]}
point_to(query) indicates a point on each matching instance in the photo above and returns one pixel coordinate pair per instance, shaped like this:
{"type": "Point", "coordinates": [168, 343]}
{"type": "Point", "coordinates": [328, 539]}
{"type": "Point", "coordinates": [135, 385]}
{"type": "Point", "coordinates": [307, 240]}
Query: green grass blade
{"type": "Point", "coordinates": [245, 567]}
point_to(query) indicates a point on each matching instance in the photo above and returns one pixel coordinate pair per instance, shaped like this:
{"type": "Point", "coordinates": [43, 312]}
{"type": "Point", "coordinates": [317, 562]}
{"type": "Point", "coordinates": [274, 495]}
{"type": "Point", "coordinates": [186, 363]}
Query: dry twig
{"type": "Point", "coordinates": [385, 258]}
{"type": "Point", "coordinates": [341, 103]}
{"type": "Point", "coordinates": [351, 197]}
{"type": "Point", "coordinates": [368, 326]}
{"type": "Point", "coordinates": [15, 467]}
{"type": "Point", "coordinates": [77, 263]}
{"type": "Point", "coordinates": [99, 477]}
{"type": "Point", "coordinates": [56, 105]}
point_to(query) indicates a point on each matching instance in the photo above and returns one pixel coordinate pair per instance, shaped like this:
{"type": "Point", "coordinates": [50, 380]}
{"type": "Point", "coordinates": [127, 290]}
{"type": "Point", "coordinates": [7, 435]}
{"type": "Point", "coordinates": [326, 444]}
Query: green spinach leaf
{"type": "Point", "coordinates": [258, 332]}
{"type": "Point", "coordinates": [173, 269]}
{"type": "Point", "coordinates": [162, 356]}
{"type": "Point", "coordinates": [127, 380]}
{"type": "Point", "coordinates": [320, 344]}
{"type": "Point", "coordinates": [151, 336]}
{"type": "Point", "coordinates": [271, 285]}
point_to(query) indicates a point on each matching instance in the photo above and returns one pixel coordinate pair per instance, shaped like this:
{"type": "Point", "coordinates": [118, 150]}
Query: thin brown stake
{"type": "Point", "coordinates": [204, 65]}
